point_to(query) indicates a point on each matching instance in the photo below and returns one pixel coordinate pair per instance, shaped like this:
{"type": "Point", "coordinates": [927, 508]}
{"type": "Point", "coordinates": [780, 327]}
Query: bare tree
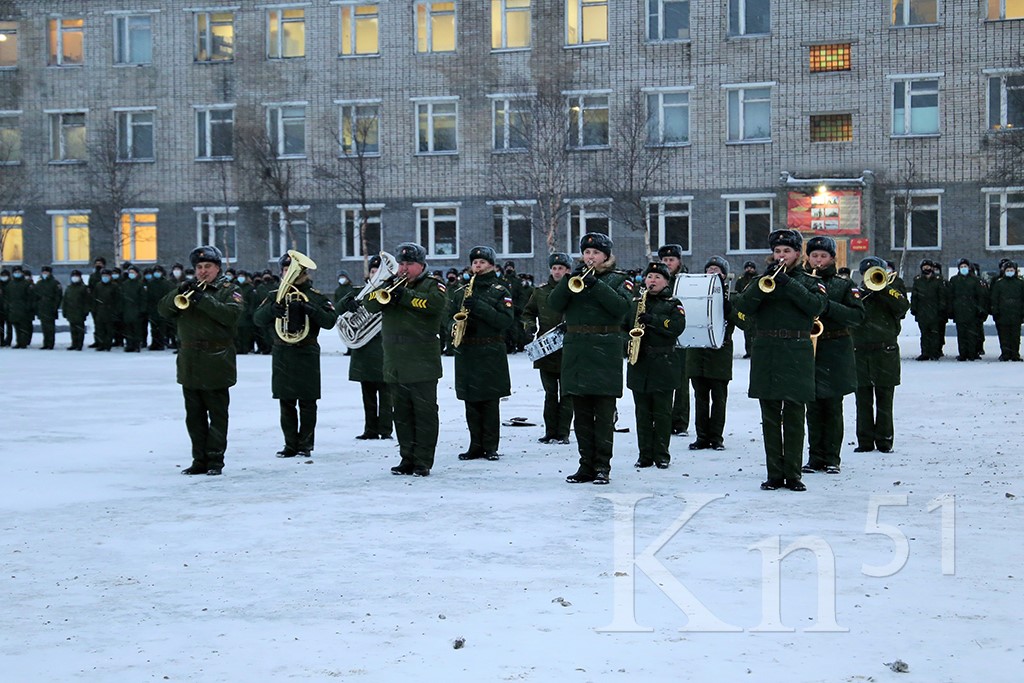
{"type": "Point", "coordinates": [18, 190]}
{"type": "Point", "coordinates": [1008, 162]}
{"type": "Point", "coordinates": [223, 192]}
{"type": "Point", "coordinates": [903, 200]}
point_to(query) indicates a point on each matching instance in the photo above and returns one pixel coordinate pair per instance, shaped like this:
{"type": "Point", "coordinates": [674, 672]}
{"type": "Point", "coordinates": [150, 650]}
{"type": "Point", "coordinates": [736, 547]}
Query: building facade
{"type": "Point", "coordinates": [137, 130]}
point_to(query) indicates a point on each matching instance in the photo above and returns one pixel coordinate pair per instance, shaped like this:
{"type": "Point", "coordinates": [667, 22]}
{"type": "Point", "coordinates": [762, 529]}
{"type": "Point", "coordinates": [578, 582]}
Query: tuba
{"type": "Point", "coordinates": [637, 333]}
{"type": "Point", "coordinates": [287, 293]}
{"type": "Point", "coordinates": [462, 316]}
{"type": "Point", "coordinates": [357, 328]}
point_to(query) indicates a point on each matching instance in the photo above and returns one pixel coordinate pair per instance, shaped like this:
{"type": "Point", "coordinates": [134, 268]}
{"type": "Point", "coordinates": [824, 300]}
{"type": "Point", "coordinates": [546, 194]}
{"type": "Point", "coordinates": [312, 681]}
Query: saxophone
{"type": "Point", "coordinates": [461, 316]}
{"type": "Point", "coordinates": [637, 333]}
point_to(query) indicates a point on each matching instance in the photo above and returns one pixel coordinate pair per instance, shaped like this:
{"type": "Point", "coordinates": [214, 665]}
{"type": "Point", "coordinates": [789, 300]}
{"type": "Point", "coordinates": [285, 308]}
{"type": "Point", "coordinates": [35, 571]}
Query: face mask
{"type": "Point", "coordinates": [241, 279]}
{"type": "Point", "coordinates": [176, 272]}
{"type": "Point", "coordinates": [18, 275]}
{"type": "Point", "coordinates": [45, 276]}
{"type": "Point", "coordinates": [927, 272]}
{"type": "Point", "coordinates": [190, 277]}
{"type": "Point", "coordinates": [105, 279]}
{"type": "Point", "coordinates": [75, 279]}
{"type": "Point", "coordinates": [466, 276]}
{"type": "Point", "coordinates": [157, 276]}
{"type": "Point", "coordinates": [964, 270]}
{"type": "Point", "coordinates": [116, 276]}
{"type": "Point", "coordinates": [4, 278]}
{"type": "Point", "coordinates": [132, 276]}
{"type": "Point", "coordinates": [342, 280]}
{"type": "Point", "coordinates": [148, 276]}
{"type": "Point", "coordinates": [1010, 272]}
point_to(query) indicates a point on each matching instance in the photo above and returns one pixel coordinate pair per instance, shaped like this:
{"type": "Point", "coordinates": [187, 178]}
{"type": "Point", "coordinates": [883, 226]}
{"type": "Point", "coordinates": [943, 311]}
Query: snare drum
{"type": "Point", "coordinates": [704, 302]}
{"type": "Point", "coordinates": [547, 343]}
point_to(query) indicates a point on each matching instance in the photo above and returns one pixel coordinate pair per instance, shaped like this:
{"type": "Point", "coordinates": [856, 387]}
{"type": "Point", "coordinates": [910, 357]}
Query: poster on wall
{"type": "Point", "coordinates": [829, 212]}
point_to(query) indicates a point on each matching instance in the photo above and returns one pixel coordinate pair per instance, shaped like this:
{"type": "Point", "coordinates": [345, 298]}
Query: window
{"type": "Point", "coordinates": [138, 235]}
{"type": "Point", "coordinates": [586, 22]}
{"type": "Point", "coordinates": [750, 221]}
{"type": "Point", "coordinates": [70, 237]}
{"type": "Point", "coordinates": [668, 118]}
{"type": "Point", "coordinates": [510, 118]}
{"type": "Point", "coordinates": [513, 228]}
{"type": "Point", "coordinates": [435, 26]}
{"type": "Point", "coordinates": [10, 138]}
{"type": "Point", "coordinates": [668, 222]}
{"type": "Point", "coordinates": [12, 238]}
{"type": "Point", "coordinates": [588, 120]}
{"type": "Point", "coordinates": [286, 128]}
{"type": "Point", "coordinates": [437, 127]}
{"type": "Point", "coordinates": [134, 135]}
{"type": "Point", "coordinates": [215, 132]}
{"type": "Point", "coordinates": [1005, 9]}
{"type": "Point", "coordinates": [214, 36]}
{"type": "Point", "coordinates": [915, 220]}
{"type": "Point", "coordinates": [288, 230]}
{"type": "Point", "coordinates": [668, 20]}
{"type": "Point", "coordinates": [915, 107]}
{"type": "Point", "coordinates": [1006, 218]}
{"type": "Point", "coordinates": [286, 33]}
{"type": "Point", "coordinates": [914, 12]}
{"type": "Point", "coordinates": [749, 17]}
{"type": "Point", "coordinates": [8, 44]}
{"type": "Point", "coordinates": [439, 230]}
{"type": "Point", "coordinates": [66, 41]}
{"type": "Point", "coordinates": [133, 39]}
{"type": "Point", "coordinates": [750, 114]}
{"type": "Point", "coordinates": [67, 136]}
{"type": "Point", "coordinates": [359, 126]}
{"type": "Point", "coordinates": [357, 226]}
{"type": "Point", "coordinates": [217, 226]}
{"type": "Point", "coordinates": [832, 128]}
{"type": "Point", "coordinates": [830, 57]}
{"type": "Point", "coordinates": [510, 24]}
{"type": "Point", "coordinates": [360, 29]}
{"type": "Point", "coordinates": [1006, 101]}
{"type": "Point", "coordinates": [584, 217]}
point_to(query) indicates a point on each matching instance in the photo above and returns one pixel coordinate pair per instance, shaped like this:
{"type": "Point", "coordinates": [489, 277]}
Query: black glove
{"type": "Point", "coordinates": [280, 310]}
{"type": "Point", "coordinates": [471, 303]}
{"type": "Point", "coordinates": [781, 280]}
{"type": "Point", "coordinates": [199, 291]}
{"type": "Point", "coordinates": [297, 309]}
{"type": "Point", "coordinates": [397, 294]}
{"type": "Point", "coordinates": [185, 286]}
{"type": "Point", "coordinates": [590, 279]}
{"type": "Point", "coordinates": [352, 305]}
{"type": "Point", "coordinates": [646, 319]}
{"type": "Point", "coordinates": [579, 269]}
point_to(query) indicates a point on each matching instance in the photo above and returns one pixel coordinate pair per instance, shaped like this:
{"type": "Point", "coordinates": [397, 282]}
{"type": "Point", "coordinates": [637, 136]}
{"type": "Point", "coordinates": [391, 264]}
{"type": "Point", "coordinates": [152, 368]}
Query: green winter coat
{"type": "Point", "coordinates": [658, 366]}
{"type": "Point", "coordinates": [968, 299]}
{"type": "Point", "coordinates": [481, 361]}
{"type": "Point", "coordinates": [835, 366]}
{"type": "Point", "coordinates": [342, 292]}
{"type": "Point", "coordinates": [106, 301]}
{"type": "Point", "coordinates": [21, 300]}
{"type": "Point", "coordinates": [538, 309]}
{"type": "Point", "coordinates": [875, 340]}
{"type": "Point", "coordinates": [1007, 301]}
{"type": "Point", "coordinates": [206, 335]}
{"type": "Point", "coordinates": [744, 281]}
{"type": "Point", "coordinates": [156, 289]}
{"type": "Point", "coordinates": [714, 363]}
{"type": "Point", "coordinates": [48, 297]}
{"type": "Point", "coordinates": [75, 303]}
{"type": "Point", "coordinates": [249, 304]}
{"type": "Point", "coordinates": [133, 299]}
{"type": "Point", "coordinates": [781, 362]}
{"type": "Point", "coordinates": [592, 360]}
{"type": "Point", "coordinates": [296, 367]}
{"type": "Point", "coordinates": [412, 349]}
{"type": "Point", "coordinates": [928, 300]}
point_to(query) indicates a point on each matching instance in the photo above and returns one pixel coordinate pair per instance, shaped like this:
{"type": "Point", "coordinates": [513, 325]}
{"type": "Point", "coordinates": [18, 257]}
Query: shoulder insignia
{"type": "Point", "coordinates": [740, 315]}
{"type": "Point", "coordinates": [894, 293]}
{"type": "Point", "coordinates": [236, 296]}
{"type": "Point", "coordinates": [328, 305]}
{"type": "Point", "coordinates": [419, 302]}
{"type": "Point", "coordinates": [665, 324]}
{"type": "Point", "coordinates": [628, 284]}
{"type": "Point", "coordinates": [440, 286]}
{"type": "Point", "coordinates": [315, 290]}
{"type": "Point", "coordinates": [679, 307]}
{"type": "Point", "coordinates": [855, 292]}
{"type": "Point", "coordinates": [821, 287]}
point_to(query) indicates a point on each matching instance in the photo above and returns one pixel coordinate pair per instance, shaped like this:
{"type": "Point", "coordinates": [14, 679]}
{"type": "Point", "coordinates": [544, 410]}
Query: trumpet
{"type": "Point", "coordinates": [767, 283]}
{"type": "Point", "coordinates": [383, 295]}
{"type": "Point", "coordinates": [183, 301]}
{"type": "Point", "coordinates": [877, 278]}
{"type": "Point", "coordinates": [576, 281]}
{"type": "Point", "coordinates": [287, 292]}
{"type": "Point", "coordinates": [462, 316]}
{"type": "Point", "coordinates": [637, 332]}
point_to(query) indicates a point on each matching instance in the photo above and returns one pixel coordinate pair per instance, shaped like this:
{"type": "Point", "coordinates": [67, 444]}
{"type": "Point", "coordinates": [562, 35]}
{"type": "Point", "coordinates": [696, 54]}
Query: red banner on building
{"type": "Point", "coordinates": [829, 212]}
{"type": "Point", "coordinates": [859, 244]}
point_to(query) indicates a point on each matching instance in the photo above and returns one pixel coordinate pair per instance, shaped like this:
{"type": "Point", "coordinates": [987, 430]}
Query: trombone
{"type": "Point", "coordinates": [183, 301]}
{"type": "Point", "coordinates": [767, 283]}
{"type": "Point", "coordinates": [877, 278]}
{"type": "Point", "coordinates": [383, 295]}
{"type": "Point", "coordinates": [576, 284]}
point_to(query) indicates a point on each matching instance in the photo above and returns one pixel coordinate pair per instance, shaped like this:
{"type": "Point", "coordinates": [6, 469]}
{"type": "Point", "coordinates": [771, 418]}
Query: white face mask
{"type": "Point", "coordinates": [964, 270]}
{"type": "Point", "coordinates": [75, 279]}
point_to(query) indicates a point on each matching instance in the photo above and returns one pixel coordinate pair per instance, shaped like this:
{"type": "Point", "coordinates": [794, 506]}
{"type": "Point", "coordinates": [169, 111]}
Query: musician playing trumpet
{"type": "Point", "coordinates": [657, 319]}
{"type": "Point", "coordinates": [483, 309]}
{"type": "Point", "coordinates": [295, 378]}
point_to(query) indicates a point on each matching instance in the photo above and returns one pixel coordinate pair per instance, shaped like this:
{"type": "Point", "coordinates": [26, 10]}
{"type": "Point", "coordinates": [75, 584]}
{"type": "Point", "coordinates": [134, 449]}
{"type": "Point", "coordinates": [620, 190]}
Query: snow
{"type": "Point", "coordinates": [118, 569]}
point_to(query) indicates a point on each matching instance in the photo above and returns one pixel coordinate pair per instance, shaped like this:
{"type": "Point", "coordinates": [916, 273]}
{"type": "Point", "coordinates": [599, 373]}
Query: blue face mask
{"type": "Point", "coordinates": [241, 279]}
{"type": "Point", "coordinates": [157, 275]}
{"type": "Point", "coordinates": [132, 276]}
{"type": "Point", "coordinates": [105, 279]}
{"type": "Point", "coordinates": [18, 275]}
{"type": "Point", "coordinates": [466, 276]}
{"type": "Point", "coordinates": [116, 276]}
{"type": "Point", "coordinates": [1010, 272]}
{"type": "Point", "coordinates": [964, 270]}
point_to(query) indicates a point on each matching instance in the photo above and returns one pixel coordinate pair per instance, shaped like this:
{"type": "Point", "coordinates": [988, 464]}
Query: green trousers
{"type": "Point", "coordinates": [681, 401]}
{"type": "Point", "coordinates": [933, 336]}
{"type": "Point", "coordinates": [1009, 340]}
{"type": "Point", "coordinates": [298, 423]}
{"type": "Point", "coordinates": [710, 397]}
{"type": "Point", "coordinates": [653, 425]}
{"type": "Point", "coordinates": [77, 333]}
{"type": "Point", "coordinates": [595, 432]}
{"type": "Point", "coordinates": [824, 432]}
{"type": "Point", "coordinates": [967, 339]}
{"type": "Point", "coordinates": [22, 333]}
{"type": "Point", "coordinates": [377, 415]}
{"type": "Point", "coordinates": [103, 334]}
{"type": "Point", "coordinates": [557, 408]}
{"type": "Point", "coordinates": [874, 417]}
{"type": "Point", "coordinates": [484, 421]}
{"type": "Point", "coordinates": [782, 427]}
{"type": "Point", "coordinates": [416, 422]}
{"type": "Point", "coordinates": [49, 328]}
{"type": "Point", "coordinates": [206, 418]}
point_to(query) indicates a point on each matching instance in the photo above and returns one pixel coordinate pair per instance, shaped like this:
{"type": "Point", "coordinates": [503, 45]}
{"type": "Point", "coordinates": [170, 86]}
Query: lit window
{"type": "Point", "coordinates": [588, 121]}
{"type": "Point", "coordinates": [749, 17]}
{"type": "Point", "coordinates": [361, 232]}
{"type": "Point", "coordinates": [286, 33]}
{"type": "Point", "coordinates": [1006, 219]}
{"type": "Point", "coordinates": [214, 36]}
{"type": "Point", "coordinates": [668, 118]}
{"type": "Point", "coordinates": [288, 230]}
{"type": "Point", "coordinates": [750, 222]}
{"type": "Point", "coordinates": [830, 57]}
{"type": "Point", "coordinates": [511, 123]}
{"type": "Point", "coordinates": [67, 136]}
{"type": "Point", "coordinates": [1006, 101]}
{"type": "Point", "coordinates": [584, 217]}
{"type": "Point", "coordinates": [916, 220]}
{"type": "Point", "coordinates": [510, 24]}
{"type": "Point", "coordinates": [134, 135]}
{"type": "Point", "coordinates": [915, 107]}
{"type": "Point", "coordinates": [12, 238]}
{"type": "Point", "coordinates": [215, 132]}
{"type": "Point", "coordinates": [10, 138]}
{"type": "Point", "coordinates": [217, 226]}
{"type": "Point", "coordinates": [66, 41]}
{"type": "Point", "coordinates": [586, 22]}
{"type": "Point", "coordinates": [832, 128]}
{"type": "Point", "coordinates": [668, 222]}
{"type": "Point", "coordinates": [750, 115]}
{"type": "Point", "coordinates": [286, 129]}
{"type": "Point", "coordinates": [1005, 9]}
{"type": "Point", "coordinates": [360, 29]}
{"type": "Point", "coordinates": [359, 128]}
{"type": "Point", "coordinates": [435, 26]}
{"type": "Point", "coordinates": [437, 127]}
{"type": "Point", "coordinates": [668, 20]}
{"type": "Point", "coordinates": [70, 237]}
{"type": "Point", "coordinates": [138, 236]}
{"type": "Point", "coordinates": [914, 12]}
{"type": "Point", "coordinates": [133, 39]}
{"type": "Point", "coordinates": [8, 44]}
{"type": "Point", "coordinates": [439, 230]}
{"type": "Point", "coordinates": [513, 229]}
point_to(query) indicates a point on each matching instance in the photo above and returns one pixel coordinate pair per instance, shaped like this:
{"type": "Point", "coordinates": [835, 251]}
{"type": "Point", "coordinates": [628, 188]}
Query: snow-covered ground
{"type": "Point", "coordinates": [118, 569]}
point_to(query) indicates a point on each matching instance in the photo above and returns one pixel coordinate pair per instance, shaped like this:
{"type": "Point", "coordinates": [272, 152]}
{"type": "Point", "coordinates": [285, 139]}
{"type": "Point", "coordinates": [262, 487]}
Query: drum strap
{"type": "Point", "coordinates": [593, 329]}
{"type": "Point", "coordinates": [784, 334]}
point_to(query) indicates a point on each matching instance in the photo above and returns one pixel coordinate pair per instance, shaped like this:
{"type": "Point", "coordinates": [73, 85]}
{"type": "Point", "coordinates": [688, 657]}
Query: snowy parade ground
{"type": "Point", "coordinates": [904, 567]}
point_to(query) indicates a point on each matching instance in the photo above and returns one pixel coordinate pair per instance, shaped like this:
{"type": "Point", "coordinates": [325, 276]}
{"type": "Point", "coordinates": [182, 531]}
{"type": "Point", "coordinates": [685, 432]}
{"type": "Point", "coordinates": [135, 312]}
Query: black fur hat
{"type": "Point", "coordinates": [410, 252]}
{"type": "Point", "coordinates": [207, 254]}
{"type": "Point", "coordinates": [719, 261]}
{"type": "Point", "coordinates": [871, 262]}
{"type": "Point", "coordinates": [822, 243]}
{"type": "Point", "coordinates": [670, 250]}
{"type": "Point", "coordinates": [785, 238]}
{"type": "Point", "coordinates": [597, 240]}
{"type": "Point", "coordinates": [559, 258]}
{"type": "Point", "coordinates": [659, 268]}
{"type": "Point", "coordinates": [486, 253]}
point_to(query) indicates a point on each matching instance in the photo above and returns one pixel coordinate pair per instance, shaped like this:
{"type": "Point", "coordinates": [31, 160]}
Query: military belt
{"type": "Point", "coordinates": [206, 345]}
{"type": "Point", "coordinates": [480, 341]}
{"type": "Point", "coordinates": [836, 334]}
{"type": "Point", "coordinates": [784, 334]}
{"type": "Point", "coordinates": [406, 339]}
{"type": "Point", "coordinates": [592, 329]}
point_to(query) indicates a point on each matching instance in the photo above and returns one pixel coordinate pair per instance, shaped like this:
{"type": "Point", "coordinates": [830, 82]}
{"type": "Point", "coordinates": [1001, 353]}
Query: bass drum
{"type": "Point", "coordinates": [704, 303]}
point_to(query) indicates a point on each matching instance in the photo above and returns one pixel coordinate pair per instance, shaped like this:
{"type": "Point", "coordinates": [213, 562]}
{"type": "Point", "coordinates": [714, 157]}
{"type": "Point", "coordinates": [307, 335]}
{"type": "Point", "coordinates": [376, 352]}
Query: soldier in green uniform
{"type": "Point", "coordinates": [539, 315]}
{"type": "Point", "coordinates": [156, 289]}
{"type": "Point", "coordinates": [75, 306]}
{"type": "Point", "coordinates": [835, 367]}
{"type": "Point", "coordinates": [782, 357]}
{"type": "Point", "coordinates": [133, 311]}
{"type": "Point", "coordinates": [672, 256]}
{"type": "Point", "coordinates": [21, 305]}
{"type": "Point", "coordinates": [118, 322]}
{"type": "Point", "coordinates": [592, 352]}
{"type": "Point", "coordinates": [748, 277]}
{"type": "Point", "coordinates": [928, 305]}
{"type": "Point", "coordinates": [206, 356]}
{"type": "Point", "coordinates": [412, 356]}
{"type": "Point", "coordinates": [1008, 310]}
{"type": "Point", "coordinates": [264, 335]}
{"type": "Point", "coordinates": [48, 297]}
{"type": "Point", "coordinates": [878, 362]}
{"type": "Point", "coordinates": [967, 305]}
{"type": "Point", "coordinates": [344, 290]}
{"type": "Point", "coordinates": [106, 300]}
{"type": "Point", "coordinates": [295, 378]}
{"type": "Point", "coordinates": [654, 376]}
{"type": "Point", "coordinates": [710, 371]}
{"type": "Point", "coordinates": [245, 336]}
{"type": "Point", "coordinates": [481, 359]}
{"type": "Point", "coordinates": [367, 368]}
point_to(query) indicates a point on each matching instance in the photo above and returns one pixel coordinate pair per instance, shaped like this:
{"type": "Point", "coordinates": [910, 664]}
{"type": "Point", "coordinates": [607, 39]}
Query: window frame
{"type": "Point", "coordinates": [431, 118]}
{"type": "Point", "coordinates": [506, 101]}
{"type": "Point", "coordinates": [741, 90]}
{"type": "Point", "coordinates": [659, 231]}
{"type": "Point", "coordinates": [351, 109]}
{"type": "Point", "coordinates": [208, 219]}
{"type": "Point", "coordinates": [742, 12]}
{"type": "Point", "coordinates": [424, 16]}
{"type": "Point", "coordinates": [576, 140]}
{"type": "Point", "coordinates": [578, 209]}
{"type": "Point", "coordinates": [660, 94]}
{"type": "Point", "coordinates": [11, 31]}
{"type": "Point", "coordinates": [374, 215]}
{"type": "Point", "coordinates": [279, 229]}
{"type": "Point", "coordinates": [8, 229]}
{"type": "Point", "coordinates": [61, 142]}
{"type": "Point", "coordinates": [133, 227]}
{"type": "Point", "coordinates": [275, 48]}
{"type": "Point", "coordinates": [931, 192]}
{"type": "Point", "coordinates": [200, 110]}
{"type": "Point", "coordinates": [1004, 207]}
{"type": "Point", "coordinates": [1003, 105]}
{"type": "Point", "coordinates": [123, 41]}
{"type": "Point", "coordinates": [907, 81]}
{"type": "Point", "coordinates": [128, 113]}
{"type": "Point", "coordinates": [203, 39]}
{"type": "Point", "coordinates": [429, 241]}
{"type": "Point", "coordinates": [525, 209]}
{"type": "Point", "coordinates": [656, 10]}
{"type": "Point", "coordinates": [907, 7]}
{"type": "Point", "coordinates": [55, 56]}
{"type": "Point", "coordinates": [499, 30]}
{"type": "Point", "coordinates": [1002, 12]}
{"type": "Point", "coordinates": [18, 158]}
{"type": "Point", "coordinates": [744, 213]}
{"type": "Point", "coordinates": [581, 25]}
{"type": "Point", "coordinates": [352, 6]}
{"type": "Point", "coordinates": [55, 214]}
{"type": "Point", "coordinates": [278, 134]}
